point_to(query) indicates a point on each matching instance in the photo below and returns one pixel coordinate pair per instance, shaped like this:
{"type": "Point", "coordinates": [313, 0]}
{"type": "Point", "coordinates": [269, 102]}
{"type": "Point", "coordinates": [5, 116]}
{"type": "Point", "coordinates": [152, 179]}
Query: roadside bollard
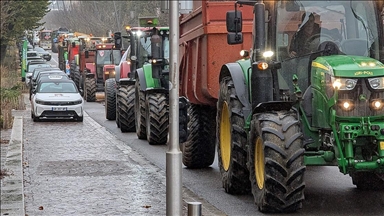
{"type": "Point", "coordinates": [194, 208]}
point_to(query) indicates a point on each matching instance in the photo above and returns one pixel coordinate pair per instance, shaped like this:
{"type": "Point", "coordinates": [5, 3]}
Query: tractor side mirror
{"type": "Point", "coordinates": [86, 53]}
{"type": "Point", "coordinates": [234, 21]}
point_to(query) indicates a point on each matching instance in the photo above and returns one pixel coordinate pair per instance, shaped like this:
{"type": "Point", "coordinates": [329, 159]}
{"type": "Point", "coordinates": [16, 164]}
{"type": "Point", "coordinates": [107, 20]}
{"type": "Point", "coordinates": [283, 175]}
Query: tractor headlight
{"type": "Point", "coordinates": [377, 104]}
{"type": "Point", "coordinates": [376, 83]}
{"type": "Point", "coordinates": [344, 83]}
{"type": "Point", "coordinates": [346, 105]}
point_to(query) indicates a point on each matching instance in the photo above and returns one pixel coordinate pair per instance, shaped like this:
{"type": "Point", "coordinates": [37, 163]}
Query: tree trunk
{"type": "Point", "coordinates": [3, 51]}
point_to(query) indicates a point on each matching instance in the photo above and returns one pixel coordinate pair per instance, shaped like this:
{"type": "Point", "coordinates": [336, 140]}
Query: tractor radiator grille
{"type": "Point", "coordinates": [361, 98]}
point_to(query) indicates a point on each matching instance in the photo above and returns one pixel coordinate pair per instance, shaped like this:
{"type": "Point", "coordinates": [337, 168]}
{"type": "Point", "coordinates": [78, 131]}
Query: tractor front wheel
{"type": "Point", "coordinates": [90, 89]}
{"type": "Point", "coordinates": [157, 118]}
{"type": "Point", "coordinates": [126, 97]}
{"type": "Point", "coordinates": [231, 140]}
{"type": "Point", "coordinates": [276, 162]}
{"type": "Point", "coordinates": [110, 99]}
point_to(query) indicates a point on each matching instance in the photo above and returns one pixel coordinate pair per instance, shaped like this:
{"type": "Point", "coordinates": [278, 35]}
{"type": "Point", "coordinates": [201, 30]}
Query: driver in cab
{"type": "Point", "coordinates": [307, 29]}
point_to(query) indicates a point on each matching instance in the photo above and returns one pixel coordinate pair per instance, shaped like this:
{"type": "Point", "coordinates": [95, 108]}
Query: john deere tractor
{"type": "Point", "coordinates": [279, 111]}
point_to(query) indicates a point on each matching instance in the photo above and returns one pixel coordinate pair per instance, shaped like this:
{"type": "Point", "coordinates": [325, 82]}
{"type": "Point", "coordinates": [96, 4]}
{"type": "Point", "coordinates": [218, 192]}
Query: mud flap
{"type": "Point", "coordinates": [183, 119]}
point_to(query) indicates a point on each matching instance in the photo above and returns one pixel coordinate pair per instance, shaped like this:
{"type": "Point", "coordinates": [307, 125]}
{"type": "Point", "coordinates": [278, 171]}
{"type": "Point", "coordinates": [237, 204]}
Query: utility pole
{"type": "Point", "coordinates": [173, 155]}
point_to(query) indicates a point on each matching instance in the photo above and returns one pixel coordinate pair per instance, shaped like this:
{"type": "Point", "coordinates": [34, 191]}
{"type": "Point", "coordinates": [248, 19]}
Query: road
{"type": "Point", "coordinates": [327, 192]}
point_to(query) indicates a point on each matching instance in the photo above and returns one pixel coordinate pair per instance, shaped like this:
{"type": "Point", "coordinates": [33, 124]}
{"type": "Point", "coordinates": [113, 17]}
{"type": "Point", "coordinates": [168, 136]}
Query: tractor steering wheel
{"type": "Point", "coordinates": [315, 40]}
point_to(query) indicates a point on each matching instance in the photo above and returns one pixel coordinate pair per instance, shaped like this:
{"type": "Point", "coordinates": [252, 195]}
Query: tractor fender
{"type": "Point", "coordinates": [140, 74]}
{"type": "Point", "coordinates": [235, 71]}
{"type": "Point", "coordinates": [126, 81]}
{"type": "Point", "coordinates": [158, 90]}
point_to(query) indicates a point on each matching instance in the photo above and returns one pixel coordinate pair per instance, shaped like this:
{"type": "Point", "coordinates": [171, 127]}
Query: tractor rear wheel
{"type": "Point", "coordinates": [368, 180]}
{"type": "Point", "coordinates": [126, 108]}
{"type": "Point", "coordinates": [90, 89]}
{"type": "Point", "coordinates": [140, 111]}
{"type": "Point", "coordinates": [199, 149]}
{"type": "Point", "coordinates": [76, 77]}
{"type": "Point", "coordinates": [110, 99]}
{"type": "Point", "coordinates": [231, 140]}
{"type": "Point", "coordinates": [276, 162]}
{"type": "Point", "coordinates": [157, 118]}
{"type": "Point", "coordinates": [117, 108]}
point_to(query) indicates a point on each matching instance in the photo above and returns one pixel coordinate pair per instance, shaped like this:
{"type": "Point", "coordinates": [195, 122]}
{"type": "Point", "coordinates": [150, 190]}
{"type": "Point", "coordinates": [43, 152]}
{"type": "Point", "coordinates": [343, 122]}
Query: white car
{"type": "Point", "coordinates": [56, 97]}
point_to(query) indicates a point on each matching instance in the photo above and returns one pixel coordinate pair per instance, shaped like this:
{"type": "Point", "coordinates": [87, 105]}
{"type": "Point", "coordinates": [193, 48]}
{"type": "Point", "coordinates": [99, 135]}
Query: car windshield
{"type": "Point", "coordinates": [57, 87]}
{"type": "Point", "coordinates": [36, 73]}
{"type": "Point", "coordinates": [34, 66]}
{"type": "Point", "coordinates": [32, 54]}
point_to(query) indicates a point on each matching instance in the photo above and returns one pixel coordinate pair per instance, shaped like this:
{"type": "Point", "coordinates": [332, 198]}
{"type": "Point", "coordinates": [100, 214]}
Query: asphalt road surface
{"type": "Point", "coordinates": [327, 192]}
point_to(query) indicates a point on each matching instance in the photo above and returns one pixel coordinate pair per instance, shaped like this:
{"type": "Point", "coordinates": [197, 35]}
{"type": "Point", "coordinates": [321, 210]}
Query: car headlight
{"type": "Point", "coordinates": [344, 83]}
{"type": "Point", "coordinates": [376, 83]}
{"type": "Point", "coordinates": [39, 101]}
{"type": "Point", "coordinates": [77, 102]}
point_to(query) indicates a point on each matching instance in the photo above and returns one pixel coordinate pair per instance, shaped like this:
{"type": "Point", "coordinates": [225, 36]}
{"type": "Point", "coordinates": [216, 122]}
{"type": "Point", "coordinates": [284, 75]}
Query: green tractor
{"type": "Point", "coordinates": [152, 88]}
{"type": "Point", "coordinates": [278, 113]}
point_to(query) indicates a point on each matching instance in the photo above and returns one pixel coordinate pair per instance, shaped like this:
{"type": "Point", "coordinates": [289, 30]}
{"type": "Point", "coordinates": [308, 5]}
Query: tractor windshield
{"type": "Point", "coordinates": [107, 57]}
{"type": "Point", "coordinates": [305, 27]}
{"type": "Point", "coordinates": [351, 25]}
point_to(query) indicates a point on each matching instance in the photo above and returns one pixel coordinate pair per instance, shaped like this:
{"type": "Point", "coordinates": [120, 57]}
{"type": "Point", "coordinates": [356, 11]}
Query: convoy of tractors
{"type": "Point", "coordinates": [273, 110]}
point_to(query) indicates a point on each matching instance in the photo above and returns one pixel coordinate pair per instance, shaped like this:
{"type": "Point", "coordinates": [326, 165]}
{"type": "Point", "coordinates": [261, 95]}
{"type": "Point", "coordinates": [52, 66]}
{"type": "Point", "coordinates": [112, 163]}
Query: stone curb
{"type": "Point", "coordinates": [12, 188]}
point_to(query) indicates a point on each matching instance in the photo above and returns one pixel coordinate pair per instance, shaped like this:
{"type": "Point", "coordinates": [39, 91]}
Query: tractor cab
{"type": "Point", "coordinates": [106, 59]}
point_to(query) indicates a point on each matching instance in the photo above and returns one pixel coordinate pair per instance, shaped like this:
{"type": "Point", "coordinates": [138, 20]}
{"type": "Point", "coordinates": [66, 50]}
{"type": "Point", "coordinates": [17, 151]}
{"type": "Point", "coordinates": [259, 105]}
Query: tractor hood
{"type": "Point", "coordinates": [349, 66]}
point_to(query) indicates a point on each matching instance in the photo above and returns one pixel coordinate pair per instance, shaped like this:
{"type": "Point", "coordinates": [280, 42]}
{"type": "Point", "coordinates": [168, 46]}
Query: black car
{"type": "Point", "coordinates": [43, 53]}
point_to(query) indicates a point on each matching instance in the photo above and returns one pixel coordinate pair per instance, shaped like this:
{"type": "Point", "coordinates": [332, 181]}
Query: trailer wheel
{"type": "Point", "coordinates": [368, 180]}
{"type": "Point", "coordinates": [90, 89]}
{"type": "Point", "coordinates": [110, 99]}
{"type": "Point", "coordinates": [199, 149]}
{"type": "Point", "coordinates": [157, 119]}
{"type": "Point", "coordinates": [140, 111]}
{"type": "Point", "coordinates": [126, 108]}
{"type": "Point", "coordinates": [231, 140]}
{"type": "Point", "coordinates": [276, 162]}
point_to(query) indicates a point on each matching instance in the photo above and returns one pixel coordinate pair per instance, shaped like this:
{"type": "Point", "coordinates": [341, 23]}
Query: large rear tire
{"type": "Point", "coordinates": [90, 89]}
{"type": "Point", "coordinates": [76, 77]}
{"type": "Point", "coordinates": [117, 109]}
{"type": "Point", "coordinates": [140, 112]}
{"type": "Point", "coordinates": [126, 108]}
{"type": "Point", "coordinates": [231, 140]}
{"type": "Point", "coordinates": [276, 162]}
{"type": "Point", "coordinates": [199, 149]}
{"type": "Point", "coordinates": [368, 180]}
{"type": "Point", "coordinates": [110, 99]}
{"type": "Point", "coordinates": [157, 119]}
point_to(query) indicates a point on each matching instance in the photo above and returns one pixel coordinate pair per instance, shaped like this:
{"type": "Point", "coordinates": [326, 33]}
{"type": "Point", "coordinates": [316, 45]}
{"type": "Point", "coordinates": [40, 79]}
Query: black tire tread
{"type": "Point", "coordinates": [140, 112]}
{"type": "Point", "coordinates": [110, 99]}
{"type": "Point", "coordinates": [126, 96]}
{"type": "Point", "coordinates": [284, 162]}
{"type": "Point", "coordinates": [90, 85]}
{"type": "Point", "coordinates": [199, 149]}
{"type": "Point", "coordinates": [236, 179]}
{"type": "Point", "coordinates": [157, 133]}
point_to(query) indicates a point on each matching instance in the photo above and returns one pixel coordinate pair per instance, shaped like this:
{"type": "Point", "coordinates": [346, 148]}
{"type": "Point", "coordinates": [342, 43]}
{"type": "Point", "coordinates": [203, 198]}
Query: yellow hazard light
{"type": "Point", "coordinates": [262, 65]}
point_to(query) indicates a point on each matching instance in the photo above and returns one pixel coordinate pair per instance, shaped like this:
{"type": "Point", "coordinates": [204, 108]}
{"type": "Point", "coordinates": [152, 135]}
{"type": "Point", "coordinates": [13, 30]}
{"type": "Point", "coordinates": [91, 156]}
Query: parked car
{"type": "Point", "coordinates": [32, 65]}
{"type": "Point", "coordinates": [33, 78]}
{"type": "Point", "coordinates": [43, 53]}
{"type": "Point", "coordinates": [56, 97]}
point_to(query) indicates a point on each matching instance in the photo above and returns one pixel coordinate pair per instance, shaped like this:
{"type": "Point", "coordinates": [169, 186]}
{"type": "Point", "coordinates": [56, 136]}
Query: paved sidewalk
{"type": "Point", "coordinates": [73, 168]}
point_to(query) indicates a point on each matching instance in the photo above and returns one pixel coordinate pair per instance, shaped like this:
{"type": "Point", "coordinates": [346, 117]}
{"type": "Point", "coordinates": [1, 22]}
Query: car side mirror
{"type": "Point", "coordinates": [29, 77]}
{"type": "Point", "coordinates": [34, 79]}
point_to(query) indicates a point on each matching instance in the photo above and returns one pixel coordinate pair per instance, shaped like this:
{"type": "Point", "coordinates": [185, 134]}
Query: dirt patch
{"type": "Point", "coordinates": [4, 141]}
{"type": "Point", "coordinates": [4, 172]}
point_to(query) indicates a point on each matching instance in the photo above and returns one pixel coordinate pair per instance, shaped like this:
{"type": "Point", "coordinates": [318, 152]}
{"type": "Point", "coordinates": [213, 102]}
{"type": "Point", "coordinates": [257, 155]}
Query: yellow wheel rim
{"type": "Point", "coordinates": [259, 163]}
{"type": "Point", "coordinates": [225, 137]}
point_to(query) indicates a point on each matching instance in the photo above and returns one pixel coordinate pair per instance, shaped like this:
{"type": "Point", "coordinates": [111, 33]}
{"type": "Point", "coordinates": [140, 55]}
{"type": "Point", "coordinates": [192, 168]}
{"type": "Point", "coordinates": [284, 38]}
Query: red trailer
{"type": "Point", "coordinates": [203, 50]}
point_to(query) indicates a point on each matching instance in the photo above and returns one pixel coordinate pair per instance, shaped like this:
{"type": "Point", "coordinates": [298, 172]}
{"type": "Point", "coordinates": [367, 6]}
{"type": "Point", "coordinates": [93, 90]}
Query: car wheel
{"type": "Point", "coordinates": [80, 119]}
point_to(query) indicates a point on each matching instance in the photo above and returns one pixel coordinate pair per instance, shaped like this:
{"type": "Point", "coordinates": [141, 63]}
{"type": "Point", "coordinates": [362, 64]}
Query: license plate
{"type": "Point", "coordinates": [59, 108]}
